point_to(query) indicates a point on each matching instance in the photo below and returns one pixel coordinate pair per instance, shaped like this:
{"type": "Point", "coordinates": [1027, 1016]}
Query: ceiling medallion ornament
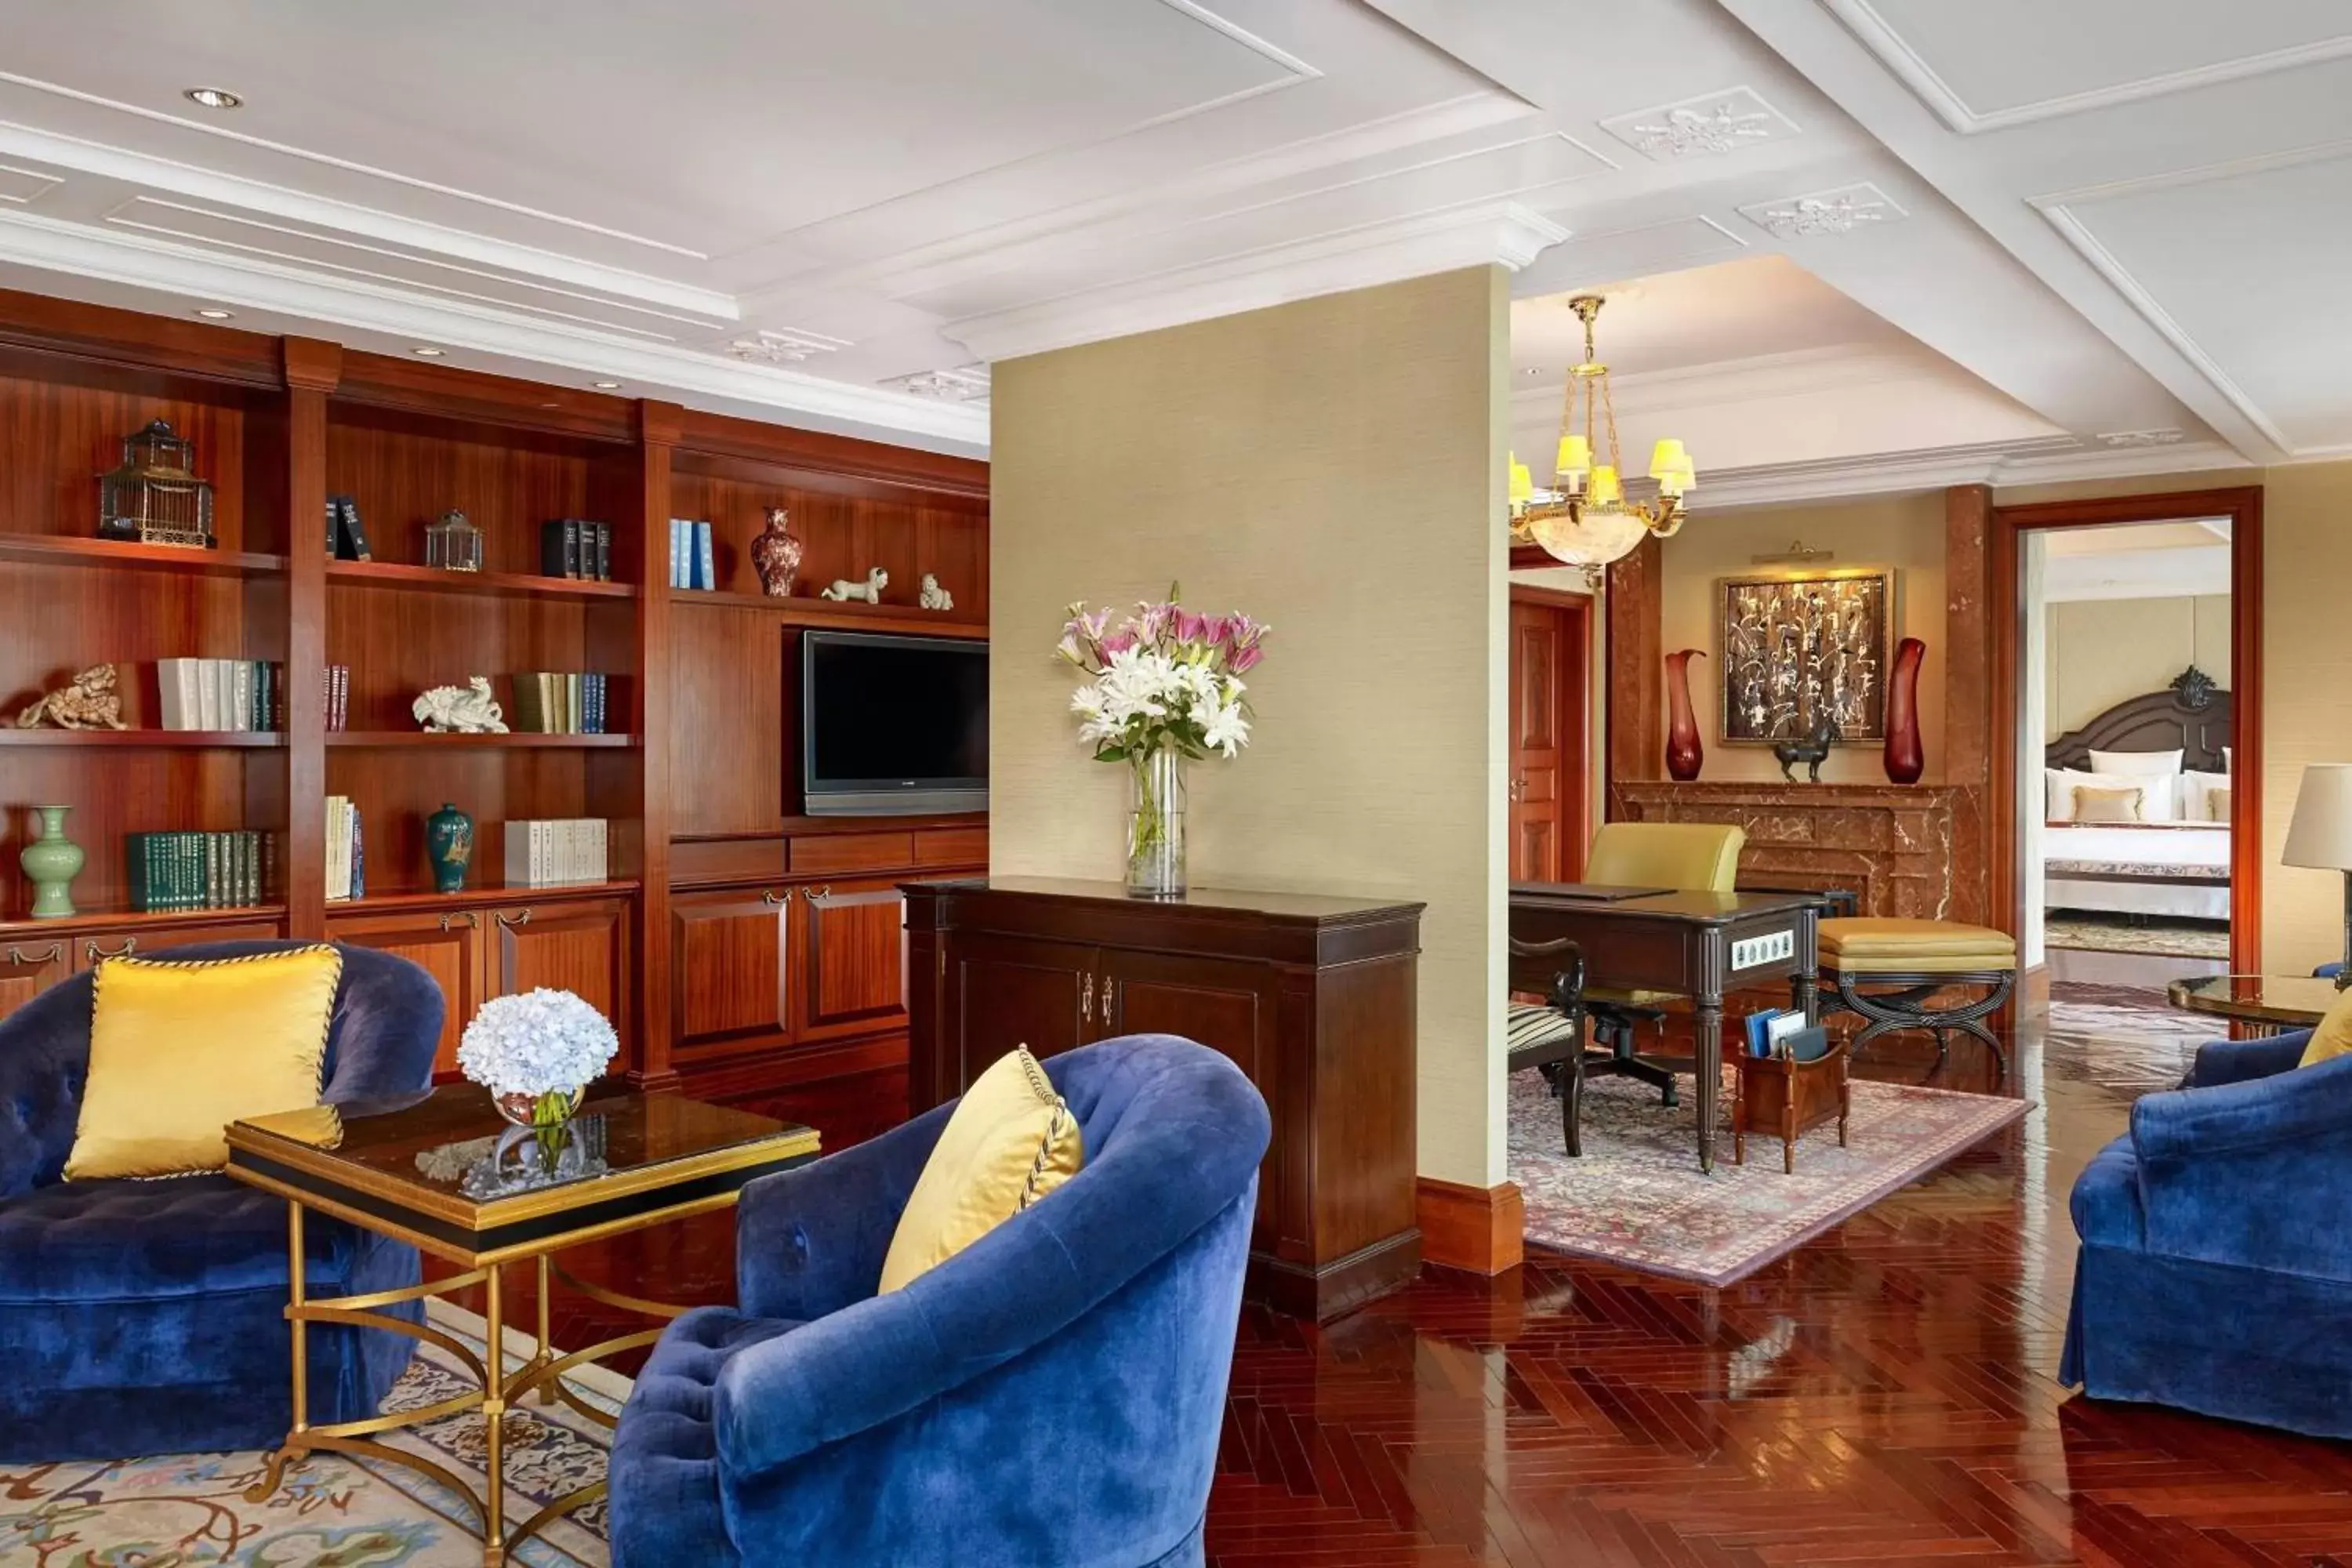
{"type": "Point", "coordinates": [1586, 520]}
{"type": "Point", "coordinates": [969, 384]}
{"type": "Point", "coordinates": [1705, 126]}
{"type": "Point", "coordinates": [2130, 438]}
{"type": "Point", "coordinates": [785, 347]}
{"type": "Point", "coordinates": [1840, 211]}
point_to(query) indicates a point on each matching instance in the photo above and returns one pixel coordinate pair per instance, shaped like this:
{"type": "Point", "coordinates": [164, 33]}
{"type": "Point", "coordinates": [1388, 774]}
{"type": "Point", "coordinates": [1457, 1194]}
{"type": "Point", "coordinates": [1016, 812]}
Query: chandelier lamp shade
{"type": "Point", "coordinates": [1585, 519]}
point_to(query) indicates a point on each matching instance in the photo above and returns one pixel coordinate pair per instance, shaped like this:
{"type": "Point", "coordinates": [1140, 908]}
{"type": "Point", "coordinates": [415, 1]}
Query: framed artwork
{"type": "Point", "coordinates": [1789, 647]}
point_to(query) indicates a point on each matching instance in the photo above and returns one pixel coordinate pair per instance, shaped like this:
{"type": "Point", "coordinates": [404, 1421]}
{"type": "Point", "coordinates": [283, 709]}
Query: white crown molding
{"type": "Point", "coordinates": [429, 240]}
{"type": "Point", "coordinates": [141, 261]}
{"type": "Point", "coordinates": [1483, 234]}
{"type": "Point", "coordinates": [22, 186]}
{"type": "Point", "coordinates": [1895, 52]}
{"type": "Point", "coordinates": [2055, 460]}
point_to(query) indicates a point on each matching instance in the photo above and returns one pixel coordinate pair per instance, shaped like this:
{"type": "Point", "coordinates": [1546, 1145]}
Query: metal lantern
{"type": "Point", "coordinates": [453, 543]}
{"type": "Point", "coordinates": [155, 497]}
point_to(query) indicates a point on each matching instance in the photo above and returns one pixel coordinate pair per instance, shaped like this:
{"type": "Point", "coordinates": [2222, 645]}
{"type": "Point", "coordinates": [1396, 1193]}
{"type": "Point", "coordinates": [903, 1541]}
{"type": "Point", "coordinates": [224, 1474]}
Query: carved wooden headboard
{"type": "Point", "coordinates": [2192, 715]}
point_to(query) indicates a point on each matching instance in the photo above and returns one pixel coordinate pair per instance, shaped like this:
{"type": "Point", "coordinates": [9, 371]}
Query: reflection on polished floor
{"type": "Point", "coordinates": [1883, 1394]}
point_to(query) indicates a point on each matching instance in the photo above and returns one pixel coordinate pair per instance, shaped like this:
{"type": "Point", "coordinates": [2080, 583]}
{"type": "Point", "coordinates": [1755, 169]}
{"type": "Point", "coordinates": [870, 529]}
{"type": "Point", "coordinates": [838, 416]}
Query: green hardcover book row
{"type": "Point", "coordinates": [200, 870]}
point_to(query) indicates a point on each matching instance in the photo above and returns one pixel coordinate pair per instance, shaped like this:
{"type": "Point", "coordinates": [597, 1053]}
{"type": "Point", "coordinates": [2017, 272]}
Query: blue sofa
{"type": "Point", "coordinates": [2216, 1267]}
{"type": "Point", "coordinates": [1050, 1396]}
{"type": "Point", "coordinates": [149, 1317]}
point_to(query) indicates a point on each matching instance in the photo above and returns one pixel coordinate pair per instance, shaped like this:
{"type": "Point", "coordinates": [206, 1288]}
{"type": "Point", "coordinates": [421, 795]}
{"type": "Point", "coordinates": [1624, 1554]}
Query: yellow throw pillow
{"type": "Point", "coordinates": [178, 1051]}
{"type": "Point", "coordinates": [2332, 1037]}
{"type": "Point", "coordinates": [2120, 805]}
{"type": "Point", "coordinates": [1010, 1141]}
{"type": "Point", "coordinates": [2217, 803]}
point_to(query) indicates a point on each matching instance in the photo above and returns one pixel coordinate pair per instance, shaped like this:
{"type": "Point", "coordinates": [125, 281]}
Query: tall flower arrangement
{"type": "Point", "coordinates": [1163, 685]}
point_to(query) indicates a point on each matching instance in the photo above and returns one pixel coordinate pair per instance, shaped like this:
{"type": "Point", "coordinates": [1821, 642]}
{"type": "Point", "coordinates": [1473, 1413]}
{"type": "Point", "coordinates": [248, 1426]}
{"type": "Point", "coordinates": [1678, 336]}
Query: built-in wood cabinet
{"type": "Point", "coordinates": [728, 967]}
{"type": "Point", "coordinates": [1313, 998]}
{"type": "Point", "coordinates": [446, 943]}
{"type": "Point", "coordinates": [849, 946]}
{"type": "Point", "coordinates": [30, 966]}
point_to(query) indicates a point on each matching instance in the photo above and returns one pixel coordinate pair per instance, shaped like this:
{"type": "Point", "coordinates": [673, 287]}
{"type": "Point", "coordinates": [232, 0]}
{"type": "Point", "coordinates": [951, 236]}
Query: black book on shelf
{"type": "Point", "coordinates": [603, 552]}
{"type": "Point", "coordinates": [354, 538]}
{"type": "Point", "coordinates": [559, 547]}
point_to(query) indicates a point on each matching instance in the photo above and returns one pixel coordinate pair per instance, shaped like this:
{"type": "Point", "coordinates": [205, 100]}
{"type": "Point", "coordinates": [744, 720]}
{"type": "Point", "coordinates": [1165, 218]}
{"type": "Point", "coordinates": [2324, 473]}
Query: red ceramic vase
{"type": "Point", "coordinates": [1905, 759]}
{"type": "Point", "coordinates": [1683, 753]}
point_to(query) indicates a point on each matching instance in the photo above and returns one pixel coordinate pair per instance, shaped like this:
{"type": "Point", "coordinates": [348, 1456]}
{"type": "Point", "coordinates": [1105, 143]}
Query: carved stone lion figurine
{"type": "Point", "coordinates": [465, 709]}
{"type": "Point", "coordinates": [868, 592]}
{"type": "Point", "coordinates": [933, 597]}
{"type": "Point", "coordinates": [91, 700]}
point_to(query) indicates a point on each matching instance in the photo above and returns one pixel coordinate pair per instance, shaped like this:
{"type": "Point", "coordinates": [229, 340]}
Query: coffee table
{"type": "Point", "coordinates": [2259, 1005]}
{"type": "Point", "coordinates": [445, 1173]}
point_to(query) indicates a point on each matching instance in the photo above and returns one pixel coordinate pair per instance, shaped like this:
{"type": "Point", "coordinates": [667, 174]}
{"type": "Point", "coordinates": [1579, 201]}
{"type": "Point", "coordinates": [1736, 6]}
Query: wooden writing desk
{"type": "Point", "coordinates": [1693, 944]}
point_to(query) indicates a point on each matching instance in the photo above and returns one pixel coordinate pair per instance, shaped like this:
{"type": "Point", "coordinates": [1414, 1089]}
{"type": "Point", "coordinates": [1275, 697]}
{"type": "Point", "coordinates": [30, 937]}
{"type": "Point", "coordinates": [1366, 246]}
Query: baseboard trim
{"type": "Point", "coordinates": [1481, 1230]}
{"type": "Point", "coordinates": [2033, 999]}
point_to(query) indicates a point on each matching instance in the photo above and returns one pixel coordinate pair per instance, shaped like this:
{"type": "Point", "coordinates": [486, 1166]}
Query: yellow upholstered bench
{"type": "Point", "coordinates": [1907, 964]}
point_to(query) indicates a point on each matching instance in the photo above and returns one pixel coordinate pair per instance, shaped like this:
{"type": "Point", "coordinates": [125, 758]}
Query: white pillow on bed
{"type": "Point", "coordinates": [2156, 769]}
{"type": "Point", "coordinates": [2196, 796]}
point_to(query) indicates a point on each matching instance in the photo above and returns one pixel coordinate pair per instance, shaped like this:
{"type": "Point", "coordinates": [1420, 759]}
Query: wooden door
{"type": "Point", "coordinates": [1549, 639]}
{"type": "Point", "coordinates": [582, 947]}
{"type": "Point", "coordinates": [1006, 991]}
{"type": "Point", "coordinates": [1234, 1008]}
{"type": "Point", "coordinates": [730, 982]}
{"type": "Point", "coordinates": [852, 956]}
{"type": "Point", "coordinates": [28, 967]}
{"type": "Point", "coordinates": [447, 946]}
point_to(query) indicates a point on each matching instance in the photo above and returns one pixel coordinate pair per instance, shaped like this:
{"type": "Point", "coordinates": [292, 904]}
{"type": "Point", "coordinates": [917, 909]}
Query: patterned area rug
{"type": "Point", "coordinates": [189, 1511]}
{"type": "Point", "coordinates": [1637, 1197]}
{"type": "Point", "coordinates": [2175, 939]}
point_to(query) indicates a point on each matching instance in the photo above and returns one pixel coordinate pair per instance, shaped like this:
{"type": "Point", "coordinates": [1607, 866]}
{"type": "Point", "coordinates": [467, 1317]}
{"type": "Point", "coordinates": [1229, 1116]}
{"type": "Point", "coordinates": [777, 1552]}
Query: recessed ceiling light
{"type": "Point", "coordinates": [215, 315]}
{"type": "Point", "coordinates": [212, 97]}
{"type": "Point", "coordinates": [427, 352]}
{"type": "Point", "coordinates": [608, 386]}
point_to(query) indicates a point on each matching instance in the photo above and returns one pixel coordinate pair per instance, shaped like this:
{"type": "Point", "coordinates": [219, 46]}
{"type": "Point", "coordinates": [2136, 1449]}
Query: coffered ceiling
{"type": "Point", "coordinates": [1860, 214]}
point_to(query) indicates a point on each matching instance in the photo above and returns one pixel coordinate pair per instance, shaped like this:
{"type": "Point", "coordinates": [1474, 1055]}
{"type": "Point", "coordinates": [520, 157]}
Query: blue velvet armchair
{"type": "Point", "coordinates": [2216, 1264]}
{"type": "Point", "coordinates": [148, 1317]}
{"type": "Point", "coordinates": [1050, 1397]}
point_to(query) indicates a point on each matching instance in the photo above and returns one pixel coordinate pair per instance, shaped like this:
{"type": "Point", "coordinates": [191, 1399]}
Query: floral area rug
{"type": "Point", "coordinates": [188, 1510]}
{"type": "Point", "coordinates": [2115, 933]}
{"type": "Point", "coordinates": [1637, 1197]}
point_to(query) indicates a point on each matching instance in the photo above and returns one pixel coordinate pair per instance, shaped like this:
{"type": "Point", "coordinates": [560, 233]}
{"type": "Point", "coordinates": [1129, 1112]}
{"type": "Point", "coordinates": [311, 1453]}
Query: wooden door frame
{"type": "Point", "coordinates": [2243, 506]}
{"type": "Point", "coordinates": [1573, 718]}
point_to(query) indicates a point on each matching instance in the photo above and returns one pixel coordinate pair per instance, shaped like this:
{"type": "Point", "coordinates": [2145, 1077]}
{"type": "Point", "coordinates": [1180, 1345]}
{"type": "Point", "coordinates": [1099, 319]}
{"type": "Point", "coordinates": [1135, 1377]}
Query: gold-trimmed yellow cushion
{"type": "Point", "coordinates": [2333, 1035]}
{"type": "Point", "coordinates": [1887, 945]}
{"type": "Point", "coordinates": [1010, 1141]}
{"type": "Point", "coordinates": [2116, 803]}
{"type": "Point", "coordinates": [178, 1051]}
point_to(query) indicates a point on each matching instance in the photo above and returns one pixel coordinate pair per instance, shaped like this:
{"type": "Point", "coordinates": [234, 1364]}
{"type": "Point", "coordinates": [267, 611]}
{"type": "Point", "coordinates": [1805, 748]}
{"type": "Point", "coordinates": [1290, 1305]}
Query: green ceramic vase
{"type": "Point", "coordinates": [52, 862]}
{"type": "Point", "coordinates": [450, 845]}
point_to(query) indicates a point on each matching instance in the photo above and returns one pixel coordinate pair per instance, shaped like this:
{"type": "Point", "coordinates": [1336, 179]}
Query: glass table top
{"type": "Point", "coordinates": [451, 1144]}
{"type": "Point", "coordinates": [2295, 999]}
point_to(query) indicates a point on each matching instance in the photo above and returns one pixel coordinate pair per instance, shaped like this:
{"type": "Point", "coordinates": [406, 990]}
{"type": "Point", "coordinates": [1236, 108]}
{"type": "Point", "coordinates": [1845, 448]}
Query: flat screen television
{"type": "Point", "coordinates": [893, 725]}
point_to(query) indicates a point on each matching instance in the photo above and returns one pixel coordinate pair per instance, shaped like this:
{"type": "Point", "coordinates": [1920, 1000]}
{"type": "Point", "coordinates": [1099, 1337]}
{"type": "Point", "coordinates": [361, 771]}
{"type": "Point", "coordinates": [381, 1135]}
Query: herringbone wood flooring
{"type": "Point", "coordinates": [1883, 1396]}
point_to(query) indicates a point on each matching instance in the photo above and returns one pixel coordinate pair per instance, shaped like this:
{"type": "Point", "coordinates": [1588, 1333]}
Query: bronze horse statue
{"type": "Point", "coordinates": [1811, 749]}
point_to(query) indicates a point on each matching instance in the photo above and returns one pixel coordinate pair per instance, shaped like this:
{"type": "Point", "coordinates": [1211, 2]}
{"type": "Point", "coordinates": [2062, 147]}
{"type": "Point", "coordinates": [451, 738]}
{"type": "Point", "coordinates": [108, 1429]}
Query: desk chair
{"type": "Point", "coordinates": [1686, 857]}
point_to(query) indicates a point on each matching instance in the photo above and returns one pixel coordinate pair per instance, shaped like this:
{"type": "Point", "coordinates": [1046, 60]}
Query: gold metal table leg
{"type": "Point", "coordinates": [293, 1450]}
{"type": "Point", "coordinates": [494, 1415]}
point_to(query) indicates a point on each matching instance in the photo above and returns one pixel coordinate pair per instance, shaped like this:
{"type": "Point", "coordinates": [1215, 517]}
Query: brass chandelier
{"type": "Point", "coordinates": [1586, 520]}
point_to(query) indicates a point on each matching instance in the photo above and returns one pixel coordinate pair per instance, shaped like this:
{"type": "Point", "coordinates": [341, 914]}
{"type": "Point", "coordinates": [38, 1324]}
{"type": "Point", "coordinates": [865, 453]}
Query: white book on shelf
{"type": "Point", "coordinates": [171, 704]}
{"type": "Point", "coordinates": [518, 835]}
{"type": "Point", "coordinates": [339, 848]}
{"type": "Point", "coordinates": [239, 675]}
{"type": "Point", "coordinates": [600, 864]}
{"type": "Point", "coordinates": [567, 850]}
{"type": "Point", "coordinates": [208, 714]}
{"type": "Point", "coordinates": [542, 840]}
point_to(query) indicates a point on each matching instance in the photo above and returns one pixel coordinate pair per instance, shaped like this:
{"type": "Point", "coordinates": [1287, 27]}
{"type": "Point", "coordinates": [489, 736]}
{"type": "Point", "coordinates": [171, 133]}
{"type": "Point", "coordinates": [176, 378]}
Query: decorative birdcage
{"type": "Point", "coordinates": [155, 497]}
{"type": "Point", "coordinates": [453, 543]}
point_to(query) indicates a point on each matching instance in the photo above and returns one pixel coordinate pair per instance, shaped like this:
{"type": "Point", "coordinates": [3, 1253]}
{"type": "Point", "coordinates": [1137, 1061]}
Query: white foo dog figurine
{"type": "Point", "coordinates": [465, 709]}
{"type": "Point", "coordinates": [933, 597]}
{"type": "Point", "coordinates": [868, 592]}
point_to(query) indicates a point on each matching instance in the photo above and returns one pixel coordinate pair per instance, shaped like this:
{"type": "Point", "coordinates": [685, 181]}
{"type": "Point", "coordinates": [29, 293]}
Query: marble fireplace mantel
{"type": "Point", "coordinates": [1897, 846]}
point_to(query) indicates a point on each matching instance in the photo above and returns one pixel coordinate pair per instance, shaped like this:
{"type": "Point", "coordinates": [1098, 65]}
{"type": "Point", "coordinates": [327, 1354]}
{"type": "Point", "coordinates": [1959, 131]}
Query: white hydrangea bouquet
{"type": "Point", "coordinates": [1164, 685]}
{"type": "Point", "coordinates": [536, 1053]}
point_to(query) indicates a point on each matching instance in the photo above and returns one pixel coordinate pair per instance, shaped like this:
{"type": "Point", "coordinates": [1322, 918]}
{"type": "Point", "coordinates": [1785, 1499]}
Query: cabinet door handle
{"type": "Point", "coordinates": [522, 920]}
{"type": "Point", "coordinates": [771, 897]}
{"type": "Point", "coordinates": [92, 952]}
{"type": "Point", "coordinates": [819, 895]}
{"type": "Point", "coordinates": [56, 951]}
{"type": "Point", "coordinates": [473, 922]}
{"type": "Point", "coordinates": [1087, 1001]}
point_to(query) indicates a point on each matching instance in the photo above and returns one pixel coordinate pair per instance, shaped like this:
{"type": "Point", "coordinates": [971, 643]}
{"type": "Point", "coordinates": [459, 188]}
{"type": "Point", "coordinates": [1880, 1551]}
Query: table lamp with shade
{"type": "Point", "coordinates": [2321, 836]}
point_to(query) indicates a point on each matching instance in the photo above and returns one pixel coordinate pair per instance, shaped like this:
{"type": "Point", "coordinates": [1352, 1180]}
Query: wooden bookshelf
{"type": "Point", "coordinates": [698, 682]}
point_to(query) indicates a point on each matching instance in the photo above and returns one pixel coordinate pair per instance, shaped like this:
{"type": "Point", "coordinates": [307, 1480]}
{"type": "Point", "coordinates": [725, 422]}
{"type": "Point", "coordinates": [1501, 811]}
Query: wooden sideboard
{"type": "Point", "coordinates": [1312, 998]}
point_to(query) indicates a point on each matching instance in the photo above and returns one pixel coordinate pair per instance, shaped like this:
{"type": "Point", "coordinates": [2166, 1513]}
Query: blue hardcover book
{"type": "Point", "coordinates": [359, 857]}
{"type": "Point", "coordinates": [676, 552]}
{"type": "Point", "coordinates": [703, 557]}
{"type": "Point", "coordinates": [1756, 1038]}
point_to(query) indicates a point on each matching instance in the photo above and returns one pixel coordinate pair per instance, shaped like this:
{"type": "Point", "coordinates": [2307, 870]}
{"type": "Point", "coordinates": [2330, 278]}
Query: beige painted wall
{"type": "Point", "coordinates": [1906, 532]}
{"type": "Point", "coordinates": [1335, 468]}
{"type": "Point", "coordinates": [2105, 651]}
{"type": "Point", "coordinates": [2307, 674]}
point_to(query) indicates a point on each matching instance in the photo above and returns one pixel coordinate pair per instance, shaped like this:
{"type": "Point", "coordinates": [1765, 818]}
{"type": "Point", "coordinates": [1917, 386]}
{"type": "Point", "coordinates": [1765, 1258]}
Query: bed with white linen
{"type": "Point", "coordinates": [2137, 807]}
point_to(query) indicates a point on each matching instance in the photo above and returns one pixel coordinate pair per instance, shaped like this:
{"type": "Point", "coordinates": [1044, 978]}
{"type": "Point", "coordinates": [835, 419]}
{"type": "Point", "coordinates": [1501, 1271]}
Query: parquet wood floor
{"type": "Point", "coordinates": [1882, 1395]}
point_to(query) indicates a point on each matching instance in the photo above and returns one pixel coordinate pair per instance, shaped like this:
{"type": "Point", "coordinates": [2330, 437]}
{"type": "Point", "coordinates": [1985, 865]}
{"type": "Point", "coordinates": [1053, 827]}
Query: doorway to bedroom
{"type": "Point", "coordinates": [2128, 795]}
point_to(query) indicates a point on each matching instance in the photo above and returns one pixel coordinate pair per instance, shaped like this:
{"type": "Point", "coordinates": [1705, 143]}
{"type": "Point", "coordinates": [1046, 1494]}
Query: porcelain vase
{"type": "Point", "coordinates": [776, 556]}
{"type": "Point", "coordinates": [449, 846]}
{"type": "Point", "coordinates": [1905, 758]}
{"type": "Point", "coordinates": [52, 862]}
{"type": "Point", "coordinates": [1155, 825]}
{"type": "Point", "coordinates": [1685, 756]}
